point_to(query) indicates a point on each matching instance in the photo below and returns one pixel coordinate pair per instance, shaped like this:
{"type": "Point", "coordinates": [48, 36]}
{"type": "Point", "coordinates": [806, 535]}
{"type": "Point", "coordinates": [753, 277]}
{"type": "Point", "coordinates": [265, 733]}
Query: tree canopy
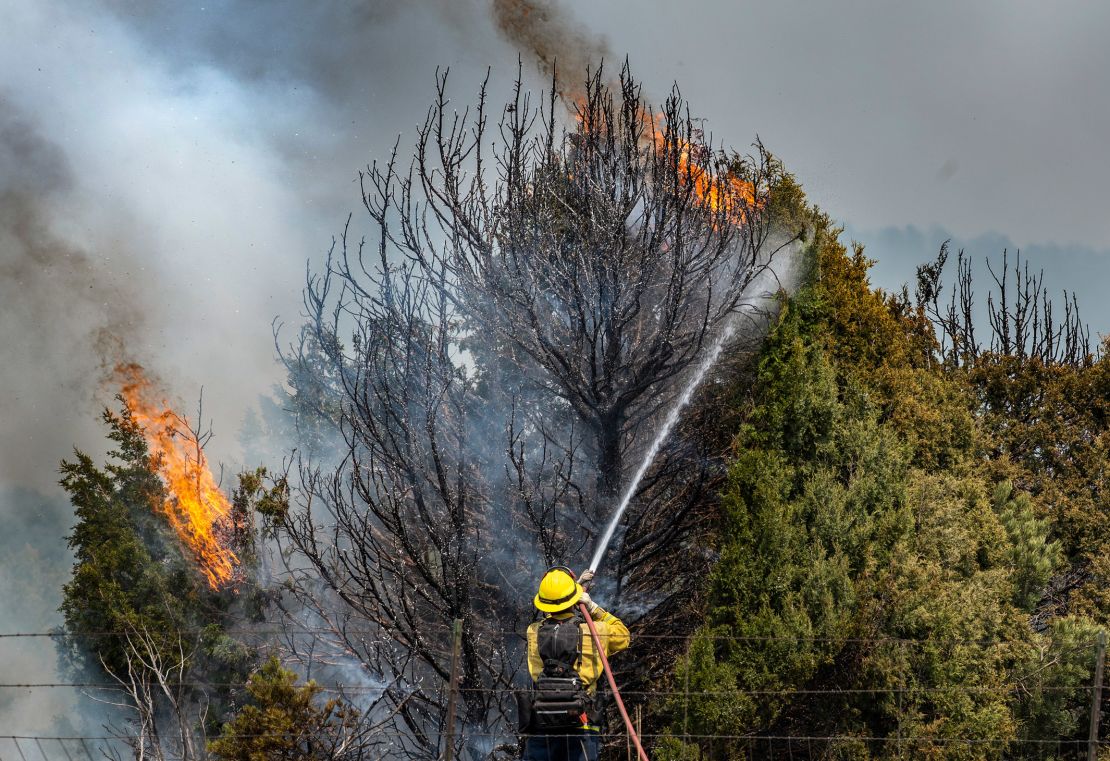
{"type": "Point", "coordinates": [888, 563]}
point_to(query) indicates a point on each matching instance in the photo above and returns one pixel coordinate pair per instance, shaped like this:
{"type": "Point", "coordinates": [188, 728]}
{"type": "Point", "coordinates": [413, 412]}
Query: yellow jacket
{"type": "Point", "coordinates": [610, 629]}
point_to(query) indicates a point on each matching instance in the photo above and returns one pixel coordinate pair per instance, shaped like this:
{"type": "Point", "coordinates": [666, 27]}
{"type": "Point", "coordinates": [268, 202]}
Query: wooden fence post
{"type": "Point", "coordinates": [1096, 698]}
{"type": "Point", "coordinates": [453, 690]}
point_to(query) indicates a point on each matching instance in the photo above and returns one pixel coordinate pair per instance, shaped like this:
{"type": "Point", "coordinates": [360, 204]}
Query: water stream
{"type": "Point", "coordinates": [707, 362]}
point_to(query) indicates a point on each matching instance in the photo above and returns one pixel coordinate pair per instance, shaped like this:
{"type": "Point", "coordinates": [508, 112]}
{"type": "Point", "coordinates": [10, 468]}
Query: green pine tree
{"type": "Point", "coordinates": [286, 720]}
{"type": "Point", "coordinates": [129, 573]}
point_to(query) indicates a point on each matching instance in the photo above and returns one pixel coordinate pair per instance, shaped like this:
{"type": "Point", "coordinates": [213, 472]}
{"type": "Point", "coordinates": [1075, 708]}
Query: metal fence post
{"type": "Point", "coordinates": [1096, 698]}
{"type": "Point", "coordinates": [453, 690]}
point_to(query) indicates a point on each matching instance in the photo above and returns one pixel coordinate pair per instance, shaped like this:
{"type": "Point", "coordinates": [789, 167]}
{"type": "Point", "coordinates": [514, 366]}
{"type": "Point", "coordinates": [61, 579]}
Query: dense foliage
{"type": "Point", "coordinates": [286, 720]}
{"type": "Point", "coordinates": [137, 610]}
{"type": "Point", "coordinates": [892, 530]}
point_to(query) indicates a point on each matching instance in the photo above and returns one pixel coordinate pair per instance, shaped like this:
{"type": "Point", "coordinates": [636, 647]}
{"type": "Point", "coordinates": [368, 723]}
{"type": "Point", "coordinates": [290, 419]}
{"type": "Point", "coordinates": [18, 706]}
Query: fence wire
{"type": "Point", "coordinates": [503, 745]}
{"type": "Point", "coordinates": [483, 745]}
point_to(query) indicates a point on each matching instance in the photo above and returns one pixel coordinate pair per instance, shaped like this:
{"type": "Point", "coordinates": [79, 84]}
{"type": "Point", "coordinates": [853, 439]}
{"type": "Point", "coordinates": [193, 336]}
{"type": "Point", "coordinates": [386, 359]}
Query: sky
{"type": "Point", "coordinates": [168, 169]}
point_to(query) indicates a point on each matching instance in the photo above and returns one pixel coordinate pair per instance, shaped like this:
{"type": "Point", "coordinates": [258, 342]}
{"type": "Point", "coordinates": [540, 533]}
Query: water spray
{"type": "Point", "coordinates": [710, 359]}
{"type": "Point", "coordinates": [703, 368]}
{"type": "Point", "coordinates": [673, 416]}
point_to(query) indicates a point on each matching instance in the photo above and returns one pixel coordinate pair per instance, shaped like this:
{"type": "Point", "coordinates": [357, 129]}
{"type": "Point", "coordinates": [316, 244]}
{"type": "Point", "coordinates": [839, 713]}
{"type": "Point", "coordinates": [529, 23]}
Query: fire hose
{"type": "Point", "coordinates": [613, 682]}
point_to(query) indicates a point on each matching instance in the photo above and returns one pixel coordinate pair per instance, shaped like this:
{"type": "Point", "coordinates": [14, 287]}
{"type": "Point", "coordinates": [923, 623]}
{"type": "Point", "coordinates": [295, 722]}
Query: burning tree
{"type": "Point", "coordinates": [194, 506]}
{"type": "Point", "coordinates": [529, 303]}
{"type": "Point", "coordinates": [162, 568]}
{"type": "Point", "coordinates": [598, 264]}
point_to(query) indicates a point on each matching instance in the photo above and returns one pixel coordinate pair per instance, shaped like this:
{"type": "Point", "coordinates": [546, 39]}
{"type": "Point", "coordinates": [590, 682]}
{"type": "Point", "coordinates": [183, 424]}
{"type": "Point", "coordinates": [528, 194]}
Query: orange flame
{"type": "Point", "coordinates": [196, 509]}
{"type": "Point", "coordinates": [728, 194]}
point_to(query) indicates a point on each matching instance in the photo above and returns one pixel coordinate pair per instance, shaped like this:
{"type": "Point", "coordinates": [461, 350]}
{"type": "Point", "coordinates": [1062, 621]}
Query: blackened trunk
{"type": "Point", "coordinates": [610, 464]}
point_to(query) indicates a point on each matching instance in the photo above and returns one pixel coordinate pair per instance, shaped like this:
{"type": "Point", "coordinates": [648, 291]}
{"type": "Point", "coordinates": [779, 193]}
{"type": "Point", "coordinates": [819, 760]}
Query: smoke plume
{"type": "Point", "coordinates": [562, 46]}
{"type": "Point", "coordinates": [67, 317]}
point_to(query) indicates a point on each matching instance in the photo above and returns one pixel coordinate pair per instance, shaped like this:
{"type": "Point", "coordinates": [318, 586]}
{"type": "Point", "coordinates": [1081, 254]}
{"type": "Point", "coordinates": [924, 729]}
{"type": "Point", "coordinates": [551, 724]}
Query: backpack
{"type": "Point", "coordinates": [558, 700]}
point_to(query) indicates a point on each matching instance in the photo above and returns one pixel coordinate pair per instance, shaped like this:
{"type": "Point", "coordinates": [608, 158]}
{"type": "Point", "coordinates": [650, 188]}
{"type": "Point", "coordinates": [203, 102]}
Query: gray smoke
{"type": "Point", "coordinates": [66, 316]}
{"type": "Point", "coordinates": [560, 44]}
{"type": "Point", "coordinates": [165, 171]}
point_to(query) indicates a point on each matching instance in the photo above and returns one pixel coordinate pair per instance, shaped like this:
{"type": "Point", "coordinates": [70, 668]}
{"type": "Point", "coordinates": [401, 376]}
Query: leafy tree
{"type": "Point", "coordinates": [136, 607]}
{"type": "Point", "coordinates": [1041, 395]}
{"type": "Point", "coordinates": [286, 720]}
{"type": "Point", "coordinates": [1049, 427]}
{"type": "Point", "coordinates": [865, 559]}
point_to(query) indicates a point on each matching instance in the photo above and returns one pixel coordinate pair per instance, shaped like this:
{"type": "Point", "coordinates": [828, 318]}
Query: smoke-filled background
{"type": "Point", "coordinates": [166, 169]}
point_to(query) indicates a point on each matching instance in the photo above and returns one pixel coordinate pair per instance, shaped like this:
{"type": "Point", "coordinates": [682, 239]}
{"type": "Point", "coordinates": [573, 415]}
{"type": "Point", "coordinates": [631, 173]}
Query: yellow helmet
{"type": "Point", "coordinates": [558, 590]}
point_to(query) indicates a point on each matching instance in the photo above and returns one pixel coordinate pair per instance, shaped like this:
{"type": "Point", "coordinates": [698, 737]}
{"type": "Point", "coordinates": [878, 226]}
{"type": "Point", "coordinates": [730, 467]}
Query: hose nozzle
{"type": "Point", "coordinates": [586, 577]}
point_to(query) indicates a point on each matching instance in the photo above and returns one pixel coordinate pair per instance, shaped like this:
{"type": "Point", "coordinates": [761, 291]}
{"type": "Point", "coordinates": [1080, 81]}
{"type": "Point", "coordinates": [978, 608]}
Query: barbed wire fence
{"type": "Point", "coordinates": [753, 748]}
{"type": "Point", "coordinates": [483, 743]}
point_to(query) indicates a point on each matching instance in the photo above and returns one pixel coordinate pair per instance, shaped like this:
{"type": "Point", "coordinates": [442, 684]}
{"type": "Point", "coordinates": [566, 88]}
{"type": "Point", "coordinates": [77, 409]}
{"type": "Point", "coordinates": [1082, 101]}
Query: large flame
{"type": "Point", "coordinates": [722, 193]}
{"type": "Point", "coordinates": [195, 507]}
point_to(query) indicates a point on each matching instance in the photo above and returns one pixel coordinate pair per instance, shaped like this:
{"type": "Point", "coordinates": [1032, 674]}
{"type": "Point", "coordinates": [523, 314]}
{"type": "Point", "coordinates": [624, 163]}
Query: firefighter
{"type": "Point", "coordinates": [559, 715]}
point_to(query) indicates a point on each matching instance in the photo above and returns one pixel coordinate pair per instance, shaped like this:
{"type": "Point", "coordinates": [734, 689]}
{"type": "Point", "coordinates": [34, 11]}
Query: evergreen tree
{"type": "Point", "coordinates": [136, 608]}
{"type": "Point", "coordinates": [872, 582]}
{"type": "Point", "coordinates": [286, 720]}
{"type": "Point", "coordinates": [129, 573]}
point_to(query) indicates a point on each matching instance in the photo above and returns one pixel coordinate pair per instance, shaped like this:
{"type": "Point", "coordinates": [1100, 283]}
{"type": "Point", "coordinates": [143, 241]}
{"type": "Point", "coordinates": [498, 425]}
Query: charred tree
{"type": "Point", "coordinates": [605, 257]}
{"type": "Point", "coordinates": [1023, 321]}
{"type": "Point", "coordinates": [492, 358]}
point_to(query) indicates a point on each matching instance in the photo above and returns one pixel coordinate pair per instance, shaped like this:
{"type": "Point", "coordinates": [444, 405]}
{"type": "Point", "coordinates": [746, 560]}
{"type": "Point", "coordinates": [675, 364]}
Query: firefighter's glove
{"type": "Point", "coordinates": [590, 604]}
{"type": "Point", "coordinates": [586, 578]}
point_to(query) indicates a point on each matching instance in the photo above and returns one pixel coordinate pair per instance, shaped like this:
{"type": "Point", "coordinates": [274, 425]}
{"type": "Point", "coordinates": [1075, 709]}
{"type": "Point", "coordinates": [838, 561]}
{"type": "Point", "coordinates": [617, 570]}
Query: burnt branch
{"type": "Point", "coordinates": [1023, 319]}
{"type": "Point", "coordinates": [534, 292]}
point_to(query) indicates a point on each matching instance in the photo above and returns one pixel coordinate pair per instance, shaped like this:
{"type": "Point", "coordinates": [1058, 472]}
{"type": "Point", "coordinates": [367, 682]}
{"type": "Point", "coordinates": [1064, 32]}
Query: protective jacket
{"type": "Point", "coordinates": [612, 632]}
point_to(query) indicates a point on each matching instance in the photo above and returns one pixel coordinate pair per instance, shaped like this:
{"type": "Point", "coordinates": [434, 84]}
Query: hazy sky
{"type": "Point", "coordinates": [167, 168]}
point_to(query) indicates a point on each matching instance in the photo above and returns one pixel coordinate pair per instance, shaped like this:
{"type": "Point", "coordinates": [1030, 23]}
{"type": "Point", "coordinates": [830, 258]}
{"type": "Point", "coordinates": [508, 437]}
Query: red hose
{"type": "Point", "coordinates": [613, 683]}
